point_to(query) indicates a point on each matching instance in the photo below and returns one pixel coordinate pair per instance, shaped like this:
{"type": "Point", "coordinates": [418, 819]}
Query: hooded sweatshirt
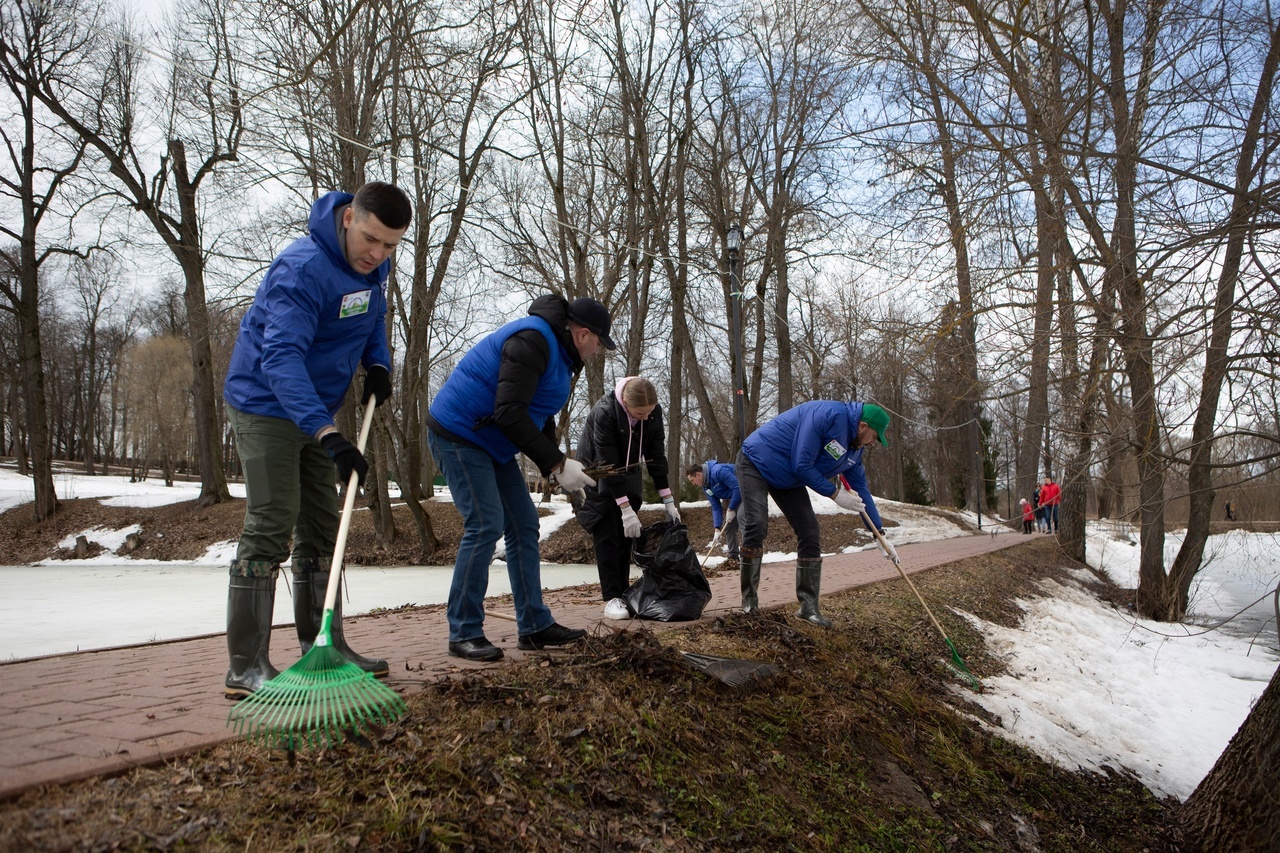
{"type": "Point", "coordinates": [313, 321]}
{"type": "Point", "coordinates": [810, 445]}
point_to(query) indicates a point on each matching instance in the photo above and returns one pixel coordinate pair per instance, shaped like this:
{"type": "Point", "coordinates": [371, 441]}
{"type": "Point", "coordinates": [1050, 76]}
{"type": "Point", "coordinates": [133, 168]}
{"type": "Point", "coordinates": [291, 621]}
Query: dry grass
{"type": "Point", "coordinates": [861, 741]}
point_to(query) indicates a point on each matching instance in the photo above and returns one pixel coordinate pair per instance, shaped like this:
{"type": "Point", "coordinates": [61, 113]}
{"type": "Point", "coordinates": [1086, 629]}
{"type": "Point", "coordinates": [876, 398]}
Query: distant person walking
{"type": "Point", "coordinates": [317, 316]}
{"type": "Point", "coordinates": [1231, 510]}
{"type": "Point", "coordinates": [500, 401]}
{"type": "Point", "coordinates": [1050, 497]}
{"type": "Point", "coordinates": [1028, 515]}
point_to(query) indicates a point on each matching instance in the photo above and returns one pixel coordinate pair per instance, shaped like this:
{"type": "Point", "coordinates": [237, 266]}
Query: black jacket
{"type": "Point", "coordinates": [608, 439]}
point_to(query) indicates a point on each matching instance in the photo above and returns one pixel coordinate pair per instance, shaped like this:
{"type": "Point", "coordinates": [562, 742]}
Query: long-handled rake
{"type": "Point", "coordinates": [956, 665]}
{"type": "Point", "coordinates": [714, 539]}
{"type": "Point", "coordinates": [323, 695]}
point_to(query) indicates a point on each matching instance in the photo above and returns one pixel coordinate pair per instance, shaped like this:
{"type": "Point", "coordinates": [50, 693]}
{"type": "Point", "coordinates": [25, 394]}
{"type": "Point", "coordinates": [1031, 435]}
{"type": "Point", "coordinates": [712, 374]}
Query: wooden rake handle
{"type": "Point", "coordinates": [897, 564]}
{"type": "Point", "coordinates": [344, 526]}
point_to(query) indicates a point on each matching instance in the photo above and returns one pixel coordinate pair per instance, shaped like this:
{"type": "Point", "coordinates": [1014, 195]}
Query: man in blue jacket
{"type": "Point", "coordinates": [317, 316]}
{"type": "Point", "coordinates": [501, 400]}
{"type": "Point", "coordinates": [720, 484]}
{"type": "Point", "coordinates": [805, 447]}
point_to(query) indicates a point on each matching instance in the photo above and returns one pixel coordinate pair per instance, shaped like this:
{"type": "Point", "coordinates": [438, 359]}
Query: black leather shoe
{"type": "Point", "coordinates": [478, 649]}
{"type": "Point", "coordinates": [554, 634]}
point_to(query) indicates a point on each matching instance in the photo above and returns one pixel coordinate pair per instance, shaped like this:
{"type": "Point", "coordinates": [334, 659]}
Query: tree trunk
{"type": "Point", "coordinates": [1243, 212]}
{"type": "Point", "coordinates": [208, 429]}
{"type": "Point", "coordinates": [1237, 806]}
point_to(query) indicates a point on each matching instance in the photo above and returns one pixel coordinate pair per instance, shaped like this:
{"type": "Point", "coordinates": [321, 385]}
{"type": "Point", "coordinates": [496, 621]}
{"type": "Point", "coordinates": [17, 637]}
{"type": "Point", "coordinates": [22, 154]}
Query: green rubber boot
{"type": "Point", "coordinates": [750, 576]}
{"type": "Point", "coordinates": [310, 583]}
{"type": "Point", "coordinates": [808, 588]}
{"type": "Point", "coordinates": [250, 601]}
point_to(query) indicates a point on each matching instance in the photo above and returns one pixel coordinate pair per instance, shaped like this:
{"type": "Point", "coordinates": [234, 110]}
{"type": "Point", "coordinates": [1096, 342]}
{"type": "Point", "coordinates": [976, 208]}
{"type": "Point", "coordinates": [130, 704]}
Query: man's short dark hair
{"type": "Point", "coordinates": [692, 469]}
{"type": "Point", "coordinates": [386, 201]}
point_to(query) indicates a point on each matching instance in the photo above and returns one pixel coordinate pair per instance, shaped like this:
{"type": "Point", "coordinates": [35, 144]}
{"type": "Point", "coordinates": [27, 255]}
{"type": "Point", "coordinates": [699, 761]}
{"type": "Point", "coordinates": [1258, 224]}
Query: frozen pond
{"type": "Point", "coordinates": [56, 608]}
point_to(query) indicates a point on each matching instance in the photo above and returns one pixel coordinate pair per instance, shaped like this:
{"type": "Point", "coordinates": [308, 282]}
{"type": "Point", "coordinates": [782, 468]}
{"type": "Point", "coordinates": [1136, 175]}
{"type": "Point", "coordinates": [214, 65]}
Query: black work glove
{"type": "Point", "coordinates": [346, 456]}
{"type": "Point", "coordinates": [377, 384]}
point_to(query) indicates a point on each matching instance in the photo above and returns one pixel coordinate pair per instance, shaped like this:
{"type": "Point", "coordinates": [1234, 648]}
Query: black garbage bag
{"type": "Point", "coordinates": [672, 587]}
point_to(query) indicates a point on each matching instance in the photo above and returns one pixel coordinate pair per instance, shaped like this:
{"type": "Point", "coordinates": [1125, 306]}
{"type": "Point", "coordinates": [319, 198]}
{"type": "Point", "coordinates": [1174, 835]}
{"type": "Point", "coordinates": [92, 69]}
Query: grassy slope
{"type": "Point", "coordinates": [862, 741]}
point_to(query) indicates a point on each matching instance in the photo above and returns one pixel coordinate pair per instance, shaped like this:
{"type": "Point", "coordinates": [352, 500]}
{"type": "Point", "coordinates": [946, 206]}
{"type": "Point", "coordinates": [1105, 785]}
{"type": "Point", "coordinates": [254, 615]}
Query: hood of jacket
{"type": "Point", "coordinates": [555, 310]}
{"type": "Point", "coordinates": [325, 227]}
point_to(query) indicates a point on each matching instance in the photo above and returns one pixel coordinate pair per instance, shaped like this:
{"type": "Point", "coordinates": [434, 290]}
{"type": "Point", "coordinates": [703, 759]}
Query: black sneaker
{"type": "Point", "coordinates": [554, 634]}
{"type": "Point", "coordinates": [475, 649]}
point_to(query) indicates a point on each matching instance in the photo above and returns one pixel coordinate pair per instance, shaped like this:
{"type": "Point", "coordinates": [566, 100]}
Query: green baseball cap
{"type": "Point", "coordinates": [876, 418]}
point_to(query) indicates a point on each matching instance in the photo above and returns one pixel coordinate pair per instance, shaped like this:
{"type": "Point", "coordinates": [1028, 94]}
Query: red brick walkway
{"type": "Point", "coordinates": [96, 713]}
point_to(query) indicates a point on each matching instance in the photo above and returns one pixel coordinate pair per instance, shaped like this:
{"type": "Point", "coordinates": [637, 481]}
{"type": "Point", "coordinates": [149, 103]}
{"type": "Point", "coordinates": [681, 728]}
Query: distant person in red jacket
{"type": "Point", "coordinates": [1050, 497]}
{"type": "Point", "coordinates": [1028, 515]}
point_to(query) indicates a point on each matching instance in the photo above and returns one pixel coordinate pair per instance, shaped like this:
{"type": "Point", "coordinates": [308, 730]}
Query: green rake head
{"type": "Point", "coordinates": [957, 666]}
{"type": "Point", "coordinates": [315, 702]}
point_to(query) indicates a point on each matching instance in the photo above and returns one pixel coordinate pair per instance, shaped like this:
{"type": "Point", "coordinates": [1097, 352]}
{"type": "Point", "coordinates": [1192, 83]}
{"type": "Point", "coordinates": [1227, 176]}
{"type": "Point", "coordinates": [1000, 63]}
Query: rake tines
{"type": "Point", "coordinates": [315, 702]}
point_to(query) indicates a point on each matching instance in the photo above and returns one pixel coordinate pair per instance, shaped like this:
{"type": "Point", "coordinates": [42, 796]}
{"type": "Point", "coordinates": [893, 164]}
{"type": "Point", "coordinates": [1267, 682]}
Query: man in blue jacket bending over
{"type": "Point", "coordinates": [317, 316]}
{"type": "Point", "coordinates": [720, 484]}
{"type": "Point", "coordinates": [501, 400]}
{"type": "Point", "coordinates": [805, 447]}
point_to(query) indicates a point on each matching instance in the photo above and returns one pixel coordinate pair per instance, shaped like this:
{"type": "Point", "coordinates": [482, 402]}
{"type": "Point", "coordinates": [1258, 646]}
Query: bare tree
{"type": "Point", "coordinates": [203, 103]}
{"type": "Point", "coordinates": [44, 46]}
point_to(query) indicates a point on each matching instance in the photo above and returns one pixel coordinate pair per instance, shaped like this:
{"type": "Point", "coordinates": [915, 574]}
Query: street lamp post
{"type": "Point", "coordinates": [733, 242]}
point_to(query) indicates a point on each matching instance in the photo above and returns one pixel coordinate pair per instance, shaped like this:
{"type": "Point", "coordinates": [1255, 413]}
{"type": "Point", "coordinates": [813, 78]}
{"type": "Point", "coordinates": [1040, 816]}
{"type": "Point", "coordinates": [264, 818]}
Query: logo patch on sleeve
{"type": "Point", "coordinates": [355, 303]}
{"type": "Point", "coordinates": [834, 449]}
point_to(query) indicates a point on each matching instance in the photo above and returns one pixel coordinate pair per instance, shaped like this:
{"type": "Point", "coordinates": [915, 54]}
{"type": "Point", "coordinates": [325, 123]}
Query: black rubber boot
{"type": "Point", "coordinates": [309, 587]}
{"type": "Point", "coordinates": [808, 588]}
{"type": "Point", "coordinates": [249, 604]}
{"type": "Point", "coordinates": [750, 577]}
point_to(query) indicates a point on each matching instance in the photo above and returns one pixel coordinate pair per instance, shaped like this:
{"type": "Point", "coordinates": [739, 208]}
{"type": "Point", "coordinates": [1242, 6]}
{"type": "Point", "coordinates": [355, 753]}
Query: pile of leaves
{"type": "Point", "coordinates": [860, 740]}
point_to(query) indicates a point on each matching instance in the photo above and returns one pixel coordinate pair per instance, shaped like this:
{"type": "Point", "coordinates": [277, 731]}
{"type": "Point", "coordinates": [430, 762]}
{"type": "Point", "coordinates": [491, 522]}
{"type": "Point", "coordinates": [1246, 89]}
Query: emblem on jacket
{"type": "Point", "coordinates": [834, 449]}
{"type": "Point", "coordinates": [355, 303]}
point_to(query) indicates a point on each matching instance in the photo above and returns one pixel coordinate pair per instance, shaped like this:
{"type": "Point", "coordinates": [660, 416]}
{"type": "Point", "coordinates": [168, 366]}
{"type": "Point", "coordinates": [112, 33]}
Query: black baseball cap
{"type": "Point", "coordinates": [590, 314]}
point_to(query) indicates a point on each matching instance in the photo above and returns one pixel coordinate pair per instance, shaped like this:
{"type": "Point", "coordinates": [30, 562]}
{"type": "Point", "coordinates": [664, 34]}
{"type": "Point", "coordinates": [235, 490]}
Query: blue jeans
{"type": "Point", "coordinates": [494, 500]}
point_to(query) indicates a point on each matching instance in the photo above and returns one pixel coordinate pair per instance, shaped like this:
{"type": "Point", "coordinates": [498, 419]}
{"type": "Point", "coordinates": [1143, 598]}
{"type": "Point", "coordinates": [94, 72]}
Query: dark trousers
{"type": "Point", "coordinates": [729, 535]}
{"type": "Point", "coordinates": [1026, 525]}
{"type": "Point", "coordinates": [753, 514]}
{"type": "Point", "coordinates": [289, 484]}
{"type": "Point", "coordinates": [613, 555]}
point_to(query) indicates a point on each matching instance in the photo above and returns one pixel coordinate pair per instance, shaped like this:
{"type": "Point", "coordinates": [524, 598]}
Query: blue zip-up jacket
{"type": "Point", "coordinates": [721, 484]}
{"type": "Point", "coordinates": [809, 445]}
{"type": "Point", "coordinates": [466, 406]}
{"type": "Point", "coordinates": [313, 321]}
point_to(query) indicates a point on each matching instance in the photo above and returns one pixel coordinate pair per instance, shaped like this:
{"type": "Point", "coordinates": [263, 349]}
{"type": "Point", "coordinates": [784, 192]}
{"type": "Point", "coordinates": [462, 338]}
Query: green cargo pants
{"type": "Point", "coordinates": [290, 490]}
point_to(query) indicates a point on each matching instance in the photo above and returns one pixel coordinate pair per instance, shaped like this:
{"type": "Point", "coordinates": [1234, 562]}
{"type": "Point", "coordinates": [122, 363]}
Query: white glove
{"type": "Point", "coordinates": [630, 522]}
{"type": "Point", "coordinates": [848, 500]}
{"type": "Point", "coordinates": [729, 516]}
{"type": "Point", "coordinates": [572, 476]}
{"type": "Point", "coordinates": [886, 547]}
{"type": "Point", "coordinates": [673, 511]}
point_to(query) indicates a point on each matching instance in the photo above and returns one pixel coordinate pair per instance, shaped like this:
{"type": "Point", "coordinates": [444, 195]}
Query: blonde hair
{"type": "Point", "coordinates": [639, 392]}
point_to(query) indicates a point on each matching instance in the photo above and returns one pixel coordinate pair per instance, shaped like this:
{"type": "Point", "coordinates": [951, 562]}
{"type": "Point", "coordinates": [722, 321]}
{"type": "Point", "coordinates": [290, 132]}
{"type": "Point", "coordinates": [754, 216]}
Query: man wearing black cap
{"type": "Point", "coordinates": [501, 400]}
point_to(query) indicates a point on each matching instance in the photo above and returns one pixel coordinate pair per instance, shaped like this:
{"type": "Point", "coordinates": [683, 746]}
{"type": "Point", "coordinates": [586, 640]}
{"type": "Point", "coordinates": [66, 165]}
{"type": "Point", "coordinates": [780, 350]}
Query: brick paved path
{"type": "Point", "coordinates": [85, 714]}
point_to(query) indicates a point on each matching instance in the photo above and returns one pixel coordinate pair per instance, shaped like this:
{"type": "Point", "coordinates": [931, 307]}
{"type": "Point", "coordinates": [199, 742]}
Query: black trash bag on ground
{"type": "Point", "coordinates": [672, 587]}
